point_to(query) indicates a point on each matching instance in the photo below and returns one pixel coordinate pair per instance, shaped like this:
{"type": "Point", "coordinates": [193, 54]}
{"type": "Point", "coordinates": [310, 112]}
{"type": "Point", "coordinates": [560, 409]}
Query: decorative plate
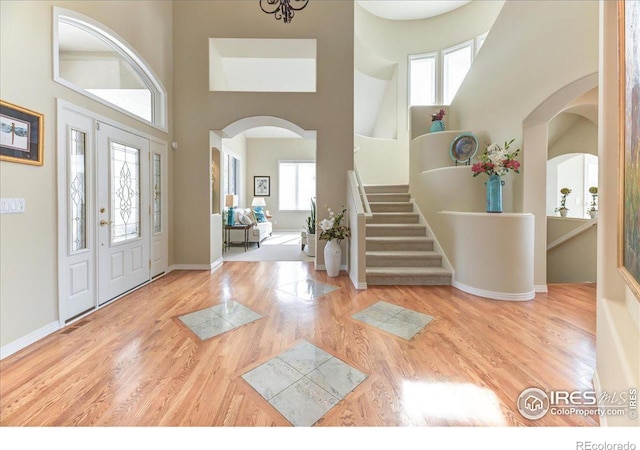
{"type": "Point", "coordinates": [464, 147]}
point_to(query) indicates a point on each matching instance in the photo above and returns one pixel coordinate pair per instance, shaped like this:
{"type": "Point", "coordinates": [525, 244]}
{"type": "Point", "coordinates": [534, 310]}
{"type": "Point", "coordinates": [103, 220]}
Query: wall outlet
{"type": "Point", "coordinates": [12, 205]}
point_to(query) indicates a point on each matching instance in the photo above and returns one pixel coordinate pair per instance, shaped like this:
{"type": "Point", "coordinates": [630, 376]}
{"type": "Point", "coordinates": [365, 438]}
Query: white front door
{"type": "Point", "coordinates": [123, 212]}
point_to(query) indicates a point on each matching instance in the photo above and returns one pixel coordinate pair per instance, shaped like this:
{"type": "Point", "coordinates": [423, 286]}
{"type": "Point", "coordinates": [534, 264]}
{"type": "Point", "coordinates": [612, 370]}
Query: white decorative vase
{"type": "Point", "coordinates": [593, 213]}
{"type": "Point", "coordinates": [563, 212]}
{"type": "Point", "coordinates": [332, 257]}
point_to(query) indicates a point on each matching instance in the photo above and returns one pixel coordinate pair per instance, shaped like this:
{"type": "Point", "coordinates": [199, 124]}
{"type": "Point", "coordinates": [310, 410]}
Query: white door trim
{"type": "Point", "coordinates": [61, 126]}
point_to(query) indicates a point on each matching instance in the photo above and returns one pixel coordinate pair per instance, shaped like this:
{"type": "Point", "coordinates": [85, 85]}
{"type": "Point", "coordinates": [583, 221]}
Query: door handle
{"type": "Point", "coordinates": [104, 222]}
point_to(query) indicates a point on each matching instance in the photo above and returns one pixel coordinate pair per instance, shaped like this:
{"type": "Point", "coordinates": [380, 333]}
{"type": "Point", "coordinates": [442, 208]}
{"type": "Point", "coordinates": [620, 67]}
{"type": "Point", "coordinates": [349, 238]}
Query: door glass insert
{"type": "Point", "coordinates": [125, 193]}
{"type": "Point", "coordinates": [77, 190]}
{"type": "Point", "coordinates": [157, 194]}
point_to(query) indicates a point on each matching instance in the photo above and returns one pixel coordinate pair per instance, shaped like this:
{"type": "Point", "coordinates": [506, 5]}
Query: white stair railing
{"type": "Point", "coordinates": [357, 243]}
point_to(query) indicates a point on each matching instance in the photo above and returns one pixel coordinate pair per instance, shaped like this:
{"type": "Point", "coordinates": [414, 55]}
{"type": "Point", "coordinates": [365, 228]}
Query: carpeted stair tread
{"type": "Point", "coordinates": [406, 271]}
{"type": "Point", "coordinates": [405, 253]}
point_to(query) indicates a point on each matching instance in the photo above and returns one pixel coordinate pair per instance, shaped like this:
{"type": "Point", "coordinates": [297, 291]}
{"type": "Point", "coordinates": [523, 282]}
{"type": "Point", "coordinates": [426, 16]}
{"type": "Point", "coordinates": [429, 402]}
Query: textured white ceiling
{"type": "Point", "coordinates": [410, 10]}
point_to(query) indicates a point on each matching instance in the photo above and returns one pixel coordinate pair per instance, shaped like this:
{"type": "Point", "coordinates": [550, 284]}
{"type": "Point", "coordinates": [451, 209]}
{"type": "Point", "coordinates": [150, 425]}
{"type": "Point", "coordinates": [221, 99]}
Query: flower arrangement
{"type": "Point", "coordinates": [439, 115]}
{"type": "Point", "coordinates": [496, 160]}
{"type": "Point", "coordinates": [332, 228]}
{"type": "Point", "coordinates": [593, 190]}
{"type": "Point", "coordinates": [563, 199]}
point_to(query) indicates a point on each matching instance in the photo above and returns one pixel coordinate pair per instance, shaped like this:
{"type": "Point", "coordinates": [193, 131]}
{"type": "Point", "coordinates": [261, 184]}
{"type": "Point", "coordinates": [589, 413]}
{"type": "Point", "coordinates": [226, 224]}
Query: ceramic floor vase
{"type": "Point", "coordinates": [332, 257]}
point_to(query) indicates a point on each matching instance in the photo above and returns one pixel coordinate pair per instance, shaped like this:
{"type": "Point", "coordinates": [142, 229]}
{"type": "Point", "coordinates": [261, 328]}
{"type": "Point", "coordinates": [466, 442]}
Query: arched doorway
{"type": "Point", "coordinates": [535, 139]}
{"type": "Point", "coordinates": [265, 150]}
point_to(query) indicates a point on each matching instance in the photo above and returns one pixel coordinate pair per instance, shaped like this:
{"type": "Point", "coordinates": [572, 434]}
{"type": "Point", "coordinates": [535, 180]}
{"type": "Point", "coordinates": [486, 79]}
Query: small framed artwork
{"type": "Point", "coordinates": [261, 186]}
{"type": "Point", "coordinates": [21, 134]}
{"type": "Point", "coordinates": [629, 189]}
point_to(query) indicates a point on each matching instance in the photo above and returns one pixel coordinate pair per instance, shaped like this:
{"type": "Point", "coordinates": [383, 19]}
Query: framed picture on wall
{"type": "Point", "coordinates": [21, 134]}
{"type": "Point", "coordinates": [629, 188]}
{"type": "Point", "coordinates": [261, 186]}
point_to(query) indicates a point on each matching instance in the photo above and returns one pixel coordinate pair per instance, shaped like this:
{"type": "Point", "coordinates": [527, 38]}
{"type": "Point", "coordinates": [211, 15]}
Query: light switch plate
{"type": "Point", "coordinates": [12, 205]}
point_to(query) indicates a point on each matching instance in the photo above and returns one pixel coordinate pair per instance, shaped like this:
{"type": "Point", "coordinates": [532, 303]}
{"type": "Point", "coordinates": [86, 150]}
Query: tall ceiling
{"type": "Point", "coordinates": [410, 10]}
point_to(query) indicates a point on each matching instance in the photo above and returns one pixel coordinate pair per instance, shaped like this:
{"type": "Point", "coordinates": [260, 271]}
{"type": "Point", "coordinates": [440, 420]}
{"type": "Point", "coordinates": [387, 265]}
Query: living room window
{"type": "Point", "coordinates": [296, 185]}
{"type": "Point", "coordinates": [231, 175]}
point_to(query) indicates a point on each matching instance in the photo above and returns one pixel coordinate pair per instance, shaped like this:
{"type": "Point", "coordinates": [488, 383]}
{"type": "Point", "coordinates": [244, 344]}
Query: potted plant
{"type": "Point", "coordinates": [310, 230]}
{"type": "Point", "coordinates": [562, 209]}
{"type": "Point", "coordinates": [592, 210]}
{"type": "Point", "coordinates": [334, 232]}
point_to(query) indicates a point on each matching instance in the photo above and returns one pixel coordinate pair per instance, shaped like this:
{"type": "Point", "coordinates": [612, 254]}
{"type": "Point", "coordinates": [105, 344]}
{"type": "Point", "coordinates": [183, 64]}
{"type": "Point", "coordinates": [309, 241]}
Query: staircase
{"type": "Point", "coordinates": [399, 251]}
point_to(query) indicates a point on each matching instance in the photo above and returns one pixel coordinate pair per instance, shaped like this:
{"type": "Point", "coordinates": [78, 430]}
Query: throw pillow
{"type": "Point", "coordinates": [252, 216]}
{"type": "Point", "coordinates": [244, 219]}
{"type": "Point", "coordinates": [260, 217]}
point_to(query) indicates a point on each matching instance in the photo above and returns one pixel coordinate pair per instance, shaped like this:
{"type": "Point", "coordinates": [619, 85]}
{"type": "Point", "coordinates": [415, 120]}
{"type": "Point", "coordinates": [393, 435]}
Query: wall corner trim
{"type": "Point", "coordinates": [596, 387]}
{"type": "Point", "coordinates": [217, 264]}
{"type": "Point", "coordinates": [29, 339]}
{"type": "Point", "coordinates": [541, 288]}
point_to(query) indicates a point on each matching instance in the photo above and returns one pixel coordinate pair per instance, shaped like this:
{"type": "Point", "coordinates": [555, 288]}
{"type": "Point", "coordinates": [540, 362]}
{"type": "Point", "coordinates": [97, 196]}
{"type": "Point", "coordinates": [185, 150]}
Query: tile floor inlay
{"type": "Point", "coordinates": [217, 319]}
{"type": "Point", "coordinates": [304, 382]}
{"type": "Point", "coordinates": [307, 289]}
{"type": "Point", "coordinates": [394, 319]}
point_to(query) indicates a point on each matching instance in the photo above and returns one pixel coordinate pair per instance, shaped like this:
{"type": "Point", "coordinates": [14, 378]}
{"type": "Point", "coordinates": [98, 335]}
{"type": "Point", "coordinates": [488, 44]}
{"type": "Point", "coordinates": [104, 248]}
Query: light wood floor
{"type": "Point", "coordinates": [133, 364]}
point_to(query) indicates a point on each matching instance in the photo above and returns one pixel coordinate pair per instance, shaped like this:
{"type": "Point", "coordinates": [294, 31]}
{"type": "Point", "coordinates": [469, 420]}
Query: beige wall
{"type": "Point", "coordinates": [387, 44]}
{"type": "Point", "coordinates": [329, 110]}
{"type": "Point", "coordinates": [28, 254]}
{"type": "Point", "coordinates": [262, 160]}
{"type": "Point", "coordinates": [575, 260]}
{"type": "Point", "coordinates": [517, 70]}
{"type": "Point", "coordinates": [581, 137]}
{"type": "Point", "coordinates": [618, 313]}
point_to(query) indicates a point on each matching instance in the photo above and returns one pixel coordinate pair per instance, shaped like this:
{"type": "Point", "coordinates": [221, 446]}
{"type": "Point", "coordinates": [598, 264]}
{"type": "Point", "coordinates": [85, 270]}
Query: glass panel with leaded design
{"type": "Point", "coordinates": [157, 194]}
{"type": "Point", "coordinates": [77, 190]}
{"type": "Point", "coordinates": [125, 193]}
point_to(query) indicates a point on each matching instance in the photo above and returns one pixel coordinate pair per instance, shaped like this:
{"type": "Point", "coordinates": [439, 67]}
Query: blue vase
{"type": "Point", "coordinates": [230, 217]}
{"type": "Point", "coordinates": [494, 194]}
{"type": "Point", "coordinates": [437, 125]}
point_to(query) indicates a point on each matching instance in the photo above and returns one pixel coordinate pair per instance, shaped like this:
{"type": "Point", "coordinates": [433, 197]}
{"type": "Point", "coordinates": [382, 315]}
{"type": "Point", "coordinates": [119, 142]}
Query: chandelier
{"type": "Point", "coordinates": [283, 9]}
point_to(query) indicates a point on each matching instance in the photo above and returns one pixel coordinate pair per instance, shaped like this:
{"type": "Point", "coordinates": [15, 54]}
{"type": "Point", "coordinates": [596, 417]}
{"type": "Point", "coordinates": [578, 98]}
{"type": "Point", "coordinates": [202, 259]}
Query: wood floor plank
{"type": "Point", "coordinates": [134, 363]}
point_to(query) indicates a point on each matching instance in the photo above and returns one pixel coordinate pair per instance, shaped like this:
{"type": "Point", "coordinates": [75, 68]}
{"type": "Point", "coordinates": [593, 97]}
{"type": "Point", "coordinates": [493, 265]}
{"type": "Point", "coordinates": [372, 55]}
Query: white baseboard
{"type": "Point", "coordinates": [170, 269]}
{"type": "Point", "coordinates": [192, 267]}
{"type": "Point", "coordinates": [216, 264]}
{"type": "Point", "coordinates": [362, 285]}
{"type": "Point", "coordinates": [540, 288]}
{"type": "Point", "coordinates": [29, 339]}
{"type": "Point", "coordinates": [598, 389]}
{"type": "Point", "coordinates": [323, 267]}
{"type": "Point", "coordinates": [511, 297]}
